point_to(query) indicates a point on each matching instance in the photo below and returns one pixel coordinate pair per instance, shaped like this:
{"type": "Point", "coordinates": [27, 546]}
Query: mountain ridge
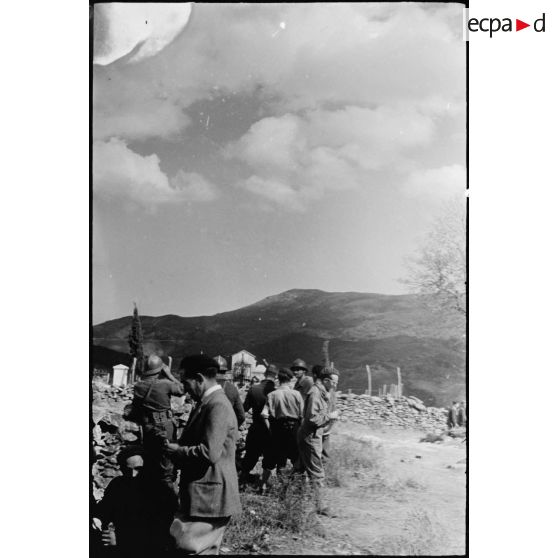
{"type": "Point", "coordinates": [363, 328]}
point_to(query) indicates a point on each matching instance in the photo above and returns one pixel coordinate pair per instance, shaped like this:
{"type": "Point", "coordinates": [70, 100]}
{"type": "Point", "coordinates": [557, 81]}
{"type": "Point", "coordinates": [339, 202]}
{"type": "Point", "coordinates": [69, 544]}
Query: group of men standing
{"type": "Point", "coordinates": [288, 423]}
{"type": "Point", "coordinates": [291, 422]}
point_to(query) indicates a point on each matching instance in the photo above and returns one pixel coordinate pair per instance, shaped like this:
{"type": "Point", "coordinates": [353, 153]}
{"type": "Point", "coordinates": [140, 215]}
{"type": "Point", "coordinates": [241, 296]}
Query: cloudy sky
{"type": "Point", "coordinates": [266, 147]}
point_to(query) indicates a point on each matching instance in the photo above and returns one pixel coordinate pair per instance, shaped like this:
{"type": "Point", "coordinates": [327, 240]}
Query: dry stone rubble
{"type": "Point", "coordinates": [110, 431]}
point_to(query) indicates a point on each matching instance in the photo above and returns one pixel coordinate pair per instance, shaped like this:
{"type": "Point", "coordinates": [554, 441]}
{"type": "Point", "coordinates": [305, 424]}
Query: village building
{"type": "Point", "coordinates": [120, 375]}
{"type": "Point", "coordinates": [243, 364]}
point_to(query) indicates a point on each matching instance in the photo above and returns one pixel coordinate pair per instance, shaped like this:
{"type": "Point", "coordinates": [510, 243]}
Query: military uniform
{"type": "Point", "coordinates": [310, 434]}
{"type": "Point", "coordinates": [233, 395]}
{"type": "Point", "coordinates": [152, 401]}
{"type": "Point", "coordinates": [303, 385]}
{"type": "Point", "coordinates": [284, 409]}
{"type": "Point", "coordinates": [332, 405]}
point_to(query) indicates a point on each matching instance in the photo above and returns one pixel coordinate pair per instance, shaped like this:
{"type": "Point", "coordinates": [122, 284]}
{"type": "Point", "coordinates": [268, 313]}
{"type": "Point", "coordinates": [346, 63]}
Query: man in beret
{"type": "Point", "coordinates": [205, 455]}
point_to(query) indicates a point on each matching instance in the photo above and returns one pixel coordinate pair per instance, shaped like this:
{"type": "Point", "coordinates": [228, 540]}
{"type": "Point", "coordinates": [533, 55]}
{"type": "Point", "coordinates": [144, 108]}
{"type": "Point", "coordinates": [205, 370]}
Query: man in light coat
{"type": "Point", "coordinates": [310, 435]}
{"type": "Point", "coordinates": [205, 455]}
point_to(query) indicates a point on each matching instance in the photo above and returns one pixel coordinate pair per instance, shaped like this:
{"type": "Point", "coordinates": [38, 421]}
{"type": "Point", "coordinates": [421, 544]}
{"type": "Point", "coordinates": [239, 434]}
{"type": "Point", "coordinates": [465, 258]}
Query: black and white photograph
{"type": "Point", "coordinates": [279, 303]}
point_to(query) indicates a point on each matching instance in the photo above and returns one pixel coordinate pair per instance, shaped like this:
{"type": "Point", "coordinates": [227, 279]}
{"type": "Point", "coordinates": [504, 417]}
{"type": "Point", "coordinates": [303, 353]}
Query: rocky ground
{"type": "Point", "coordinates": [396, 480]}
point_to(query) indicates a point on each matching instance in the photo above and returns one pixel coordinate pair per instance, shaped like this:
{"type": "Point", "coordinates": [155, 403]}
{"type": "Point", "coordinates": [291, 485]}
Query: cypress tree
{"type": "Point", "coordinates": [135, 341]}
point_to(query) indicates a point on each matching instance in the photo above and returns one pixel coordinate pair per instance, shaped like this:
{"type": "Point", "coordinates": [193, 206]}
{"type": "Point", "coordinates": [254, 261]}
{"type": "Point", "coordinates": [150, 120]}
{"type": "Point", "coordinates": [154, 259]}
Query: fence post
{"type": "Point", "coordinates": [369, 373]}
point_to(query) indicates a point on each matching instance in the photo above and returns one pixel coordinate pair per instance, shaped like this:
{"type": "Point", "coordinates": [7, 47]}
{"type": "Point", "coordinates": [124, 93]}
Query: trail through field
{"type": "Point", "coordinates": [412, 502]}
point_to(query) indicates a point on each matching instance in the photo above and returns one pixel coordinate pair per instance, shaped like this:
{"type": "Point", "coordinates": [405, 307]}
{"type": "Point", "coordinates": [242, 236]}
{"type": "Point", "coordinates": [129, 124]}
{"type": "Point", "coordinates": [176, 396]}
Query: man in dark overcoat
{"type": "Point", "coordinates": [205, 455]}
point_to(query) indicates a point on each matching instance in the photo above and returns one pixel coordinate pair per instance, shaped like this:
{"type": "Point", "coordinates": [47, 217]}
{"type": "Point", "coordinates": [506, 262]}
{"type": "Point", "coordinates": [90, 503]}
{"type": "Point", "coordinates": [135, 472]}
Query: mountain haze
{"type": "Point", "coordinates": [383, 331]}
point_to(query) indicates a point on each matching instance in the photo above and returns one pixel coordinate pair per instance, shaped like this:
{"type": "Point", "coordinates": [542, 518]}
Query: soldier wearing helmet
{"type": "Point", "coordinates": [230, 390]}
{"type": "Point", "coordinates": [152, 407]}
{"type": "Point", "coordinates": [303, 381]}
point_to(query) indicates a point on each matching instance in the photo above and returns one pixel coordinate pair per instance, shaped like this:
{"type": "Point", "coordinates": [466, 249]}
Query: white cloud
{"type": "Point", "coordinates": [135, 109]}
{"type": "Point", "coordinates": [193, 186]}
{"type": "Point", "coordinates": [120, 28]}
{"type": "Point", "coordinates": [272, 143]}
{"type": "Point", "coordinates": [298, 159]}
{"type": "Point", "coordinates": [347, 54]}
{"type": "Point", "coordinates": [276, 191]}
{"type": "Point", "coordinates": [350, 90]}
{"type": "Point", "coordinates": [438, 184]}
{"type": "Point", "coordinates": [120, 172]}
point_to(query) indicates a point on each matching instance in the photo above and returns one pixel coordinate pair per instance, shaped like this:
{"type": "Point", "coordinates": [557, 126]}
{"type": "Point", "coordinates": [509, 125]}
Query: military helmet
{"type": "Point", "coordinates": [222, 362]}
{"type": "Point", "coordinates": [299, 363]}
{"type": "Point", "coordinates": [272, 370]}
{"type": "Point", "coordinates": [154, 365]}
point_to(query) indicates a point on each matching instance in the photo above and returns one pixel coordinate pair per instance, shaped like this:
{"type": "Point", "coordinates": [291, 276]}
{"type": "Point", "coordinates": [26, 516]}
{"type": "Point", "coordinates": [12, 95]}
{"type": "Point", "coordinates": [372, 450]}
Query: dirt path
{"type": "Point", "coordinates": [412, 503]}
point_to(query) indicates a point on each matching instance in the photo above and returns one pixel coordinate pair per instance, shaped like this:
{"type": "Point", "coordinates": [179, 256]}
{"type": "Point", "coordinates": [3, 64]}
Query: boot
{"type": "Point", "coordinates": [321, 507]}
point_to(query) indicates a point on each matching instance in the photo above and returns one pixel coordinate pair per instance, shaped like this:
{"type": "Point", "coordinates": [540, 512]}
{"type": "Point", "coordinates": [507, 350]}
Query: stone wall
{"type": "Point", "coordinates": [111, 431]}
{"type": "Point", "coordinates": [406, 412]}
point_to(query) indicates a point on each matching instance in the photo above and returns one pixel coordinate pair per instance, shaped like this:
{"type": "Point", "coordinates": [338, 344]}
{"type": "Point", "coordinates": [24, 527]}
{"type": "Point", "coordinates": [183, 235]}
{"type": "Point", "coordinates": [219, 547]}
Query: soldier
{"type": "Point", "coordinates": [310, 434]}
{"type": "Point", "coordinates": [258, 437]}
{"type": "Point", "coordinates": [282, 415]}
{"type": "Point", "coordinates": [205, 454]}
{"type": "Point", "coordinates": [303, 380]}
{"type": "Point", "coordinates": [152, 407]}
{"type": "Point", "coordinates": [232, 393]}
{"type": "Point", "coordinates": [332, 406]}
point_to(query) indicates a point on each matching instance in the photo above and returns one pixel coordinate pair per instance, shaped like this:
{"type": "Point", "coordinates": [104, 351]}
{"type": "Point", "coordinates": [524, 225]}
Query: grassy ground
{"type": "Point", "coordinates": [286, 510]}
{"type": "Point", "coordinates": [392, 495]}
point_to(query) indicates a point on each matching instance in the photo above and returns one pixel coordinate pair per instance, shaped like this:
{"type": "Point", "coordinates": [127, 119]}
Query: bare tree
{"type": "Point", "coordinates": [439, 267]}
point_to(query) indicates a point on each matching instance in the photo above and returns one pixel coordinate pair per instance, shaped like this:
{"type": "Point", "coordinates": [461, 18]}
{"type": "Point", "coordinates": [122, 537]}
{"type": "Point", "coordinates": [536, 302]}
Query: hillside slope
{"type": "Point", "coordinates": [381, 330]}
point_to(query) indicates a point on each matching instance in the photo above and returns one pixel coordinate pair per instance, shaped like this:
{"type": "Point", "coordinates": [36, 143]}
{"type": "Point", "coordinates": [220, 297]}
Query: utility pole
{"type": "Point", "coordinates": [399, 386]}
{"type": "Point", "coordinates": [369, 373]}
